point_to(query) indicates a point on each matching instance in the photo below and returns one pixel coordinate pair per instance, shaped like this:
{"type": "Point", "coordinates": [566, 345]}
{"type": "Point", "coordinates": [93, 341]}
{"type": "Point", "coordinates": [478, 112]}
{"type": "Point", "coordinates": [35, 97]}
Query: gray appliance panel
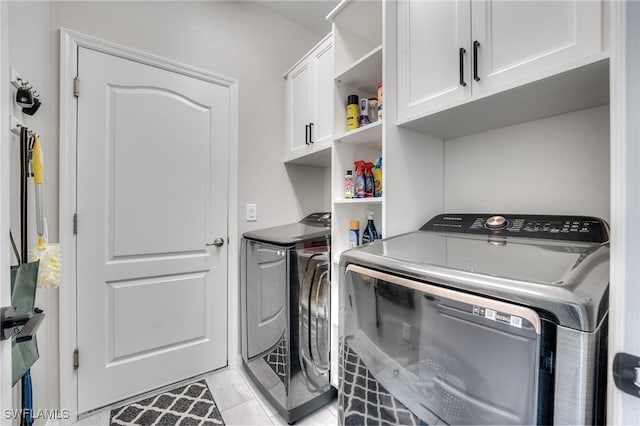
{"type": "Point", "coordinates": [289, 364]}
{"type": "Point", "coordinates": [581, 369]}
{"type": "Point", "coordinates": [266, 305]}
{"type": "Point", "coordinates": [401, 333]}
{"type": "Point", "coordinates": [567, 279]}
{"type": "Point", "coordinates": [288, 235]}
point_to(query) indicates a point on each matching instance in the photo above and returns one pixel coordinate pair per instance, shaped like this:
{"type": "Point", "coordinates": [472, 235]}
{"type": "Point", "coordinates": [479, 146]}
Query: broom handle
{"type": "Point", "coordinates": [24, 136]}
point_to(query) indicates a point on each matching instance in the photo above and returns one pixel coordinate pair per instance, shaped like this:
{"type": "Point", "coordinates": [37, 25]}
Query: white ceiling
{"type": "Point", "coordinates": [308, 13]}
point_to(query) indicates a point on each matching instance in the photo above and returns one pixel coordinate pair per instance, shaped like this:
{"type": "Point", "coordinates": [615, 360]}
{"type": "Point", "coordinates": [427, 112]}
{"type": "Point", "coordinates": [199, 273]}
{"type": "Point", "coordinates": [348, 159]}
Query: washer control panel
{"type": "Point", "coordinates": [318, 219]}
{"type": "Point", "coordinates": [567, 228]}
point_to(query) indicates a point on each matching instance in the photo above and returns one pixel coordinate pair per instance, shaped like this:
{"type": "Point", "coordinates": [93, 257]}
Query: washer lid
{"type": "Point", "coordinates": [316, 226]}
{"type": "Point", "coordinates": [569, 279]}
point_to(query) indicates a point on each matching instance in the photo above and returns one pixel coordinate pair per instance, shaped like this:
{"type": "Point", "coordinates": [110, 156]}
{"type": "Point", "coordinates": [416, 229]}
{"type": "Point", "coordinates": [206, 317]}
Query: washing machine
{"type": "Point", "coordinates": [477, 319]}
{"type": "Point", "coordinates": [285, 313]}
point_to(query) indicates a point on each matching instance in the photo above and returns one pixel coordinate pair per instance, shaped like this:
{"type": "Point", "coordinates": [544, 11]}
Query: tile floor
{"type": "Point", "coordinates": [241, 403]}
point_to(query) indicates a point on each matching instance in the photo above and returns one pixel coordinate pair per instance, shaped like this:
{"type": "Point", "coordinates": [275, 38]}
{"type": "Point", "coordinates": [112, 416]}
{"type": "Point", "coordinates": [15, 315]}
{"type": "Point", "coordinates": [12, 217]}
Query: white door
{"type": "Point", "coordinates": [151, 193]}
{"type": "Point", "coordinates": [299, 108]}
{"type": "Point", "coordinates": [520, 41]}
{"type": "Point", "coordinates": [433, 71]}
{"type": "Point", "coordinates": [322, 123]}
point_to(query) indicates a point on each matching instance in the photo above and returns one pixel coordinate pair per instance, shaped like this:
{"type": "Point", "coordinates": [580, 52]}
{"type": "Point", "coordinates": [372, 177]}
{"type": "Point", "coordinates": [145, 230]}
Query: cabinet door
{"type": "Point", "coordinates": [322, 128]}
{"type": "Point", "coordinates": [299, 108]}
{"type": "Point", "coordinates": [430, 36]}
{"type": "Point", "coordinates": [521, 41]}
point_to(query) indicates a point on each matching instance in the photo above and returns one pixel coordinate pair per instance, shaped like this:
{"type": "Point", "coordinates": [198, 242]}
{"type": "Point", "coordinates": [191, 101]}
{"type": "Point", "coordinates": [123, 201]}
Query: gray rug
{"type": "Point", "coordinates": [188, 405]}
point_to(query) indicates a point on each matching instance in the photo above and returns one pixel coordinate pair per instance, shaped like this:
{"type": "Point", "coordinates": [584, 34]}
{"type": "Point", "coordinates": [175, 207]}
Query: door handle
{"type": "Point", "coordinates": [626, 373]}
{"type": "Point", "coordinates": [307, 132]}
{"type": "Point", "coordinates": [310, 129]}
{"type": "Point", "coordinates": [218, 242]}
{"type": "Point", "coordinates": [476, 44]}
{"type": "Point", "coordinates": [462, 52]}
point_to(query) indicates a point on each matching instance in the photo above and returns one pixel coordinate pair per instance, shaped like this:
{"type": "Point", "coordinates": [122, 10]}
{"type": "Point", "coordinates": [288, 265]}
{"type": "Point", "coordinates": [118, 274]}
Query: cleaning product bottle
{"type": "Point", "coordinates": [369, 234]}
{"type": "Point", "coordinates": [352, 112]}
{"type": "Point", "coordinates": [354, 234]}
{"type": "Point", "coordinates": [364, 112]}
{"type": "Point", "coordinates": [360, 179]}
{"type": "Point", "coordinates": [348, 185]}
{"type": "Point", "coordinates": [369, 184]}
{"type": "Point", "coordinates": [377, 178]}
{"type": "Point", "coordinates": [380, 101]}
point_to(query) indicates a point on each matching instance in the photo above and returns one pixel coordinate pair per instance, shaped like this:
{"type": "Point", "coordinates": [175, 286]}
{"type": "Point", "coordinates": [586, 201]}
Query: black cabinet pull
{"type": "Point", "coordinates": [462, 52]}
{"type": "Point", "coordinates": [310, 137]}
{"type": "Point", "coordinates": [476, 44]}
{"type": "Point", "coordinates": [307, 130]}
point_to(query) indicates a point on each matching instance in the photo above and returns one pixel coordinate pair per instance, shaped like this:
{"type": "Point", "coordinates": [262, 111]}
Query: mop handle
{"type": "Point", "coordinates": [38, 180]}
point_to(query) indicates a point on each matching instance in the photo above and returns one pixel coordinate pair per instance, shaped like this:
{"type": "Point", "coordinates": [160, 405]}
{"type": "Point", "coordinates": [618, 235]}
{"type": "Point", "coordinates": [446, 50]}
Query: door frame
{"type": "Point", "coordinates": [70, 42]}
{"type": "Point", "coordinates": [625, 202]}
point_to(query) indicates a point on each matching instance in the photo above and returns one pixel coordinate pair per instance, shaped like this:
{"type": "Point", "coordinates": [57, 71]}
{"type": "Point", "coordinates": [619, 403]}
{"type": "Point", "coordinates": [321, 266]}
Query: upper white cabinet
{"type": "Point", "coordinates": [452, 51]}
{"type": "Point", "coordinates": [433, 54]}
{"type": "Point", "coordinates": [517, 41]}
{"type": "Point", "coordinates": [309, 107]}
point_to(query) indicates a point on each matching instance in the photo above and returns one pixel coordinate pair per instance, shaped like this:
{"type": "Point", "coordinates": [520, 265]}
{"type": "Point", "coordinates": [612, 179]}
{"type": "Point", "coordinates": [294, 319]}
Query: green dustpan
{"type": "Point", "coordinates": [24, 279]}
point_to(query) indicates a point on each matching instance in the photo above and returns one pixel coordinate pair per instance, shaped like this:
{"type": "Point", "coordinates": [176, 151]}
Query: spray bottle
{"type": "Point", "coordinates": [369, 184]}
{"type": "Point", "coordinates": [377, 178]}
{"type": "Point", "coordinates": [360, 179]}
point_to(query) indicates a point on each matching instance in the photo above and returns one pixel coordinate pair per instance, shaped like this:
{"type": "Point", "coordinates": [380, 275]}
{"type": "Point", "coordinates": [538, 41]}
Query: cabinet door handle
{"type": "Point", "coordinates": [462, 52]}
{"type": "Point", "coordinates": [310, 129]}
{"type": "Point", "coordinates": [307, 130]}
{"type": "Point", "coordinates": [476, 44]}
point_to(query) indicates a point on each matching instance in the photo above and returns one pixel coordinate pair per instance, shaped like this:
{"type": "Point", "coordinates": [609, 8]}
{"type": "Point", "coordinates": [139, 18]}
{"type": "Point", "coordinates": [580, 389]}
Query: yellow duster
{"type": "Point", "coordinates": [49, 255]}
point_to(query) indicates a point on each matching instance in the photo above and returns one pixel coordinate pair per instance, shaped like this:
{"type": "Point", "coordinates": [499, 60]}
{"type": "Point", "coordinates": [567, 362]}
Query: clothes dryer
{"type": "Point", "coordinates": [285, 309]}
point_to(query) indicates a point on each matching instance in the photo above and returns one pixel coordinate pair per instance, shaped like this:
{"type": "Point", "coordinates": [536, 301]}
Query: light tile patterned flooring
{"type": "Point", "coordinates": [241, 403]}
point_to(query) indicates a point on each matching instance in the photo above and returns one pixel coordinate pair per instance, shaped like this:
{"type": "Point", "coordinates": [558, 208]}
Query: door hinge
{"type": "Point", "coordinates": [76, 87]}
{"type": "Point", "coordinates": [76, 359]}
{"type": "Point", "coordinates": [75, 223]}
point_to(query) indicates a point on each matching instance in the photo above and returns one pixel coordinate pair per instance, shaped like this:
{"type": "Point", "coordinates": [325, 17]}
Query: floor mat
{"type": "Point", "coordinates": [188, 405]}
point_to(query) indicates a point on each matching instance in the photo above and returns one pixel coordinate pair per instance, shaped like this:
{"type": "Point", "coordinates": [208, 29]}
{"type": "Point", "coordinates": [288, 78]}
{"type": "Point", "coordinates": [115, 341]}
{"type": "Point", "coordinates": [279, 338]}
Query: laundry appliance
{"type": "Point", "coordinates": [477, 319]}
{"type": "Point", "coordinates": [285, 310]}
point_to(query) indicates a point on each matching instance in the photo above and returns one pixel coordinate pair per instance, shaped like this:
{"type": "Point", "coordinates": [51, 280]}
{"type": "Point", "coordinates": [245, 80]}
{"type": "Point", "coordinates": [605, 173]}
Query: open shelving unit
{"type": "Point", "coordinates": [358, 61]}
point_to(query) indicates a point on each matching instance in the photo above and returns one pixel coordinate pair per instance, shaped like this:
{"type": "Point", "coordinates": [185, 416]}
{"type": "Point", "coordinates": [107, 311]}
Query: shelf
{"type": "Point", "coordinates": [369, 135]}
{"type": "Point", "coordinates": [365, 73]}
{"type": "Point", "coordinates": [371, 200]}
{"type": "Point", "coordinates": [318, 158]}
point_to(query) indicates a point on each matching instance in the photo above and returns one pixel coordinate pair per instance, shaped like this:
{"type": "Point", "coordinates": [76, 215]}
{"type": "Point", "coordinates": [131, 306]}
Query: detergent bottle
{"type": "Point", "coordinates": [369, 234]}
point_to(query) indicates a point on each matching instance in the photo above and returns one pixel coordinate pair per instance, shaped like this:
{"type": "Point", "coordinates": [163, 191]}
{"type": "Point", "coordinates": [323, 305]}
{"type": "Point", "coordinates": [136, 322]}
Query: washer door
{"type": "Point", "coordinates": [314, 322]}
{"type": "Point", "coordinates": [422, 353]}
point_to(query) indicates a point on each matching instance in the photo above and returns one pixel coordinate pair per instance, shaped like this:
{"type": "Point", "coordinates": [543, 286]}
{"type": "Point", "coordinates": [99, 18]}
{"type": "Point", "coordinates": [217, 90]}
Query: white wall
{"type": "Point", "coordinates": [30, 56]}
{"type": "Point", "coordinates": [557, 165]}
{"type": "Point", "coordinates": [241, 40]}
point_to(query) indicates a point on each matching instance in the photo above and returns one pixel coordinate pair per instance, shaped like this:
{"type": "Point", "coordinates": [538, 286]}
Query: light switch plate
{"type": "Point", "coordinates": [252, 212]}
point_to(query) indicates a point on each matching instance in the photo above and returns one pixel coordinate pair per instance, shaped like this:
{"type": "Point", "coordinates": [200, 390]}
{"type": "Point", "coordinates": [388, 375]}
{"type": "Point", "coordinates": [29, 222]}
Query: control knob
{"type": "Point", "coordinates": [496, 222]}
